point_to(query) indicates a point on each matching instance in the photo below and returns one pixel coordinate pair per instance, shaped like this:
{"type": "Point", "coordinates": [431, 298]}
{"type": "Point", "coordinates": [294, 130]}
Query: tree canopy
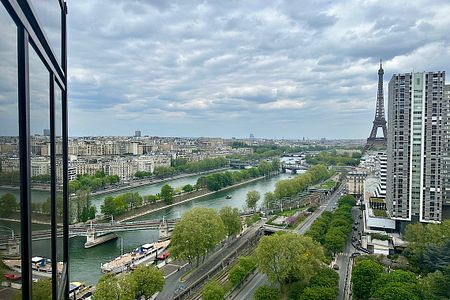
{"type": "Point", "coordinates": [213, 291]}
{"type": "Point", "coordinates": [144, 281]}
{"type": "Point", "coordinates": [266, 292]}
{"type": "Point", "coordinates": [288, 256]}
{"type": "Point", "coordinates": [231, 220]}
{"type": "Point", "coordinates": [199, 230]}
{"type": "Point", "coordinates": [8, 204]}
{"type": "Point", "coordinates": [333, 158]}
{"type": "Point", "coordinates": [331, 229]}
{"type": "Point", "coordinates": [291, 187]}
{"type": "Point", "coordinates": [428, 248]}
{"type": "Point", "coordinates": [92, 182]}
{"type": "Point", "coordinates": [167, 193]}
{"type": "Point", "coordinates": [252, 199]}
{"type": "Point", "coordinates": [364, 276]}
{"type": "Point", "coordinates": [81, 208]}
{"type": "Point", "coordinates": [148, 279]}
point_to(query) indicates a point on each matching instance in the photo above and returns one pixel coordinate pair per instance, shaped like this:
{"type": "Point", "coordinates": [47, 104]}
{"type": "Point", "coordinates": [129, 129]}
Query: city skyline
{"type": "Point", "coordinates": [234, 133]}
{"type": "Point", "coordinates": [227, 70]}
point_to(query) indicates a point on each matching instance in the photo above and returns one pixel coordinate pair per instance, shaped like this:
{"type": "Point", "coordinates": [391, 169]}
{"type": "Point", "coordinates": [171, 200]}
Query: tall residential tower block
{"type": "Point", "coordinates": [416, 146]}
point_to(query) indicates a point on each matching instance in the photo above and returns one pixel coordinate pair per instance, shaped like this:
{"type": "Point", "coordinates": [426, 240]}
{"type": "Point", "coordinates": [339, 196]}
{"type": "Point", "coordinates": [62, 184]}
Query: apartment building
{"type": "Point", "coordinates": [381, 161]}
{"type": "Point", "coordinates": [446, 155]}
{"type": "Point", "coordinates": [416, 114]}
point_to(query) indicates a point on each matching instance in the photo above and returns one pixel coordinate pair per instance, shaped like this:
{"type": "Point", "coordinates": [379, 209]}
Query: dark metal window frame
{"type": "Point", "coordinates": [30, 32]}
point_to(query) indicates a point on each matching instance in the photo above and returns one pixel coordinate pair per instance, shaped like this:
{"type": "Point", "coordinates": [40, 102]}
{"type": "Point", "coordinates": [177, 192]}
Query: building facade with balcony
{"type": "Point", "coordinates": [416, 146]}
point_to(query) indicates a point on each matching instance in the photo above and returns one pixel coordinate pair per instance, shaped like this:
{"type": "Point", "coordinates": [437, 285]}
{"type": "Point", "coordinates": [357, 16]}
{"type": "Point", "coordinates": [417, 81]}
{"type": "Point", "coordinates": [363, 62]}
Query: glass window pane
{"type": "Point", "coordinates": [9, 144]}
{"type": "Point", "coordinates": [59, 167]}
{"type": "Point", "coordinates": [40, 162]}
{"type": "Point", "coordinates": [48, 13]}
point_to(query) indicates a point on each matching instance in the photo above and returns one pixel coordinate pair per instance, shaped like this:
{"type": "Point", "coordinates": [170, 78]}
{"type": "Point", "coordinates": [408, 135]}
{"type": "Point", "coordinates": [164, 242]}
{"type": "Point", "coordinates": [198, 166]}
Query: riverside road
{"type": "Point", "coordinates": [248, 289]}
{"type": "Point", "coordinates": [173, 282]}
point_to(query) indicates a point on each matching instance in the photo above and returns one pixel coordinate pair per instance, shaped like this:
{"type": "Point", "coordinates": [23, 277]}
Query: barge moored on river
{"type": "Point", "coordinates": [145, 254]}
{"type": "Point", "coordinates": [41, 267]}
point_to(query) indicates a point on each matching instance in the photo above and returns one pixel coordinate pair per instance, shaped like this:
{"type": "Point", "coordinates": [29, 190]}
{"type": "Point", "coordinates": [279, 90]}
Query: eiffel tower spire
{"type": "Point", "coordinates": [380, 120]}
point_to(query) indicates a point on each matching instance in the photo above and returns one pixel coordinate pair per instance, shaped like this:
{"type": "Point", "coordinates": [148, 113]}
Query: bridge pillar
{"type": "Point", "coordinates": [163, 230]}
{"type": "Point", "coordinates": [91, 236]}
{"type": "Point", "coordinates": [13, 247]}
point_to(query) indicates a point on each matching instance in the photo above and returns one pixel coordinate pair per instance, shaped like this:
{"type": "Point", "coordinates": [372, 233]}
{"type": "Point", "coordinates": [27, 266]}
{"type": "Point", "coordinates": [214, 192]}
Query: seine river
{"type": "Point", "coordinates": [85, 263]}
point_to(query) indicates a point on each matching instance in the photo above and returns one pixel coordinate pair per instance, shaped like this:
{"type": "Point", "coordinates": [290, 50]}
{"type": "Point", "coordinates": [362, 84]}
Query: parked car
{"type": "Point", "coordinates": [336, 267]}
{"type": "Point", "coordinates": [164, 255]}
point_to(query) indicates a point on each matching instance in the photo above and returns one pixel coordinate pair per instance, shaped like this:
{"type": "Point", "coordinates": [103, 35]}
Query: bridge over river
{"type": "Point", "coordinates": [92, 231]}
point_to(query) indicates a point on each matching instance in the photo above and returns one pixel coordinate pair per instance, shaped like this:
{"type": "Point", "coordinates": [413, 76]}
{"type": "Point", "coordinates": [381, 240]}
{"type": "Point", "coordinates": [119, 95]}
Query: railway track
{"type": "Point", "coordinates": [222, 277]}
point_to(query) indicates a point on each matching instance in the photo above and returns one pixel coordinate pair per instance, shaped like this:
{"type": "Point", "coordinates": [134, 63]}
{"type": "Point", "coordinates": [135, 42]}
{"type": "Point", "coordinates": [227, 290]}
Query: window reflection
{"type": "Point", "coordinates": [40, 163]}
{"type": "Point", "coordinates": [59, 168]}
{"type": "Point", "coordinates": [48, 13]}
{"type": "Point", "coordinates": [9, 144]}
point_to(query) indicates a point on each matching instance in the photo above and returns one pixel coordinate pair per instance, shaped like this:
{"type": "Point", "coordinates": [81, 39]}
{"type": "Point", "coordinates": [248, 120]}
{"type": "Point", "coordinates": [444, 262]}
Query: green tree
{"type": "Point", "coordinates": [276, 164]}
{"type": "Point", "coordinates": [8, 204]}
{"type": "Point", "coordinates": [107, 288]}
{"type": "Point", "coordinates": [188, 188]}
{"type": "Point", "coordinates": [152, 198]}
{"type": "Point", "coordinates": [213, 291]}
{"type": "Point", "coordinates": [142, 174]}
{"type": "Point", "coordinates": [127, 288]}
{"type": "Point", "coordinates": [265, 292]}
{"type": "Point", "coordinates": [347, 200]}
{"type": "Point", "coordinates": [114, 206]}
{"type": "Point", "coordinates": [149, 280]}
{"type": "Point", "coordinates": [399, 281]}
{"type": "Point", "coordinates": [112, 287]}
{"type": "Point", "coordinates": [42, 290]}
{"type": "Point", "coordinates": [113, 179]}
{"type": "Point", "coordinates": [108, 207]}
{"type": "Point", "coordinates": [74, 185]}
{"type": "Point", "coordinates": [199, 230]}
{"type": "Point", "coordinates": [248, 263]}
{"type": "Point", "coordinates": [319, 293]}
{"type": "Point", "coordinates": [269, 199]}
{"type": "Point", "coordinates": [435, 285]}
{"type": "Point", "coordinates": [96, 183]}
{"type": "Point", "coordinates": [167, 193]}
{"type": "Point", "coordinates": [325, 277]}
{"type": "Point", "coordinates": [46, 206]}
{"type": "Point", "coordinates": [231, 219]}
{"type": "Point", "coordinates": [289, 256]}
{"type": "Point", "coordinates": [88, 213]}
{"type": "Point", "coordinates": [436, 256]}
{"type": "Point", "coordinates": [252, 199]}
{"type": "Point", "coordinates": [236, 274]}
{"type": "Point", "coordinates": [396, 291]}
{"type": "Point", "coordinates": [265, 167]}
{"type": "Point", "coordinates": [428, 246]}
{"type": "Point", "coordinates": [81, 201]}
{"type": "Point", "coordinates": [335, 239]}
{"type": "Point", "coordinates": [162, 172]}
{"type": "Point", "coordinates": [364, 275]}
{"type": "Point", "coordinates": [132, 199]}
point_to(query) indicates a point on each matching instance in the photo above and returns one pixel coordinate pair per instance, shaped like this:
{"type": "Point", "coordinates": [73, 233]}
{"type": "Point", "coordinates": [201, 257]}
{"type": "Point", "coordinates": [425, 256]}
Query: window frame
{"type": "Point", "coordinates": [30, 32]}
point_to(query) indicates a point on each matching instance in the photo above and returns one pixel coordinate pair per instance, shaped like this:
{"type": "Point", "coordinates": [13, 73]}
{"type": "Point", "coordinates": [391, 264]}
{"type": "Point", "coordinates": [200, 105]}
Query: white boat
{"type": "Point", "coordinates": [41, 266]}
{"type": "Point", "coordinates": [145, 254]}
{"type": "Point", "coordinates": [78, 290]}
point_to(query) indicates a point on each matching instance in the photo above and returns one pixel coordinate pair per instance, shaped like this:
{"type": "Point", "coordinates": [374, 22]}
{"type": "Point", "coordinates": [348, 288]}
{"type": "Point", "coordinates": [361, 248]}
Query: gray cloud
{"type": "Point", "coordinates": [228, 68]}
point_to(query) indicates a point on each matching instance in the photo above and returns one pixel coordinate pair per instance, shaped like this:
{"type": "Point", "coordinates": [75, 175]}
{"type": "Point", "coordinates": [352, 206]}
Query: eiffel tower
{"type": "Point", "coordinates": [380, 121]}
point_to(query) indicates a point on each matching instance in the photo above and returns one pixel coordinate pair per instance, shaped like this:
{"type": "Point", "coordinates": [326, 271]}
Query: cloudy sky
{"type": "Point", "coordinates": [277, 69]}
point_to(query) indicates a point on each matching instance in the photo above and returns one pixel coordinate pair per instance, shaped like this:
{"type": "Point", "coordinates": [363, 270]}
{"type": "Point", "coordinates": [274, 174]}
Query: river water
{"type": "Point", "coordinates": [85, 263]}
